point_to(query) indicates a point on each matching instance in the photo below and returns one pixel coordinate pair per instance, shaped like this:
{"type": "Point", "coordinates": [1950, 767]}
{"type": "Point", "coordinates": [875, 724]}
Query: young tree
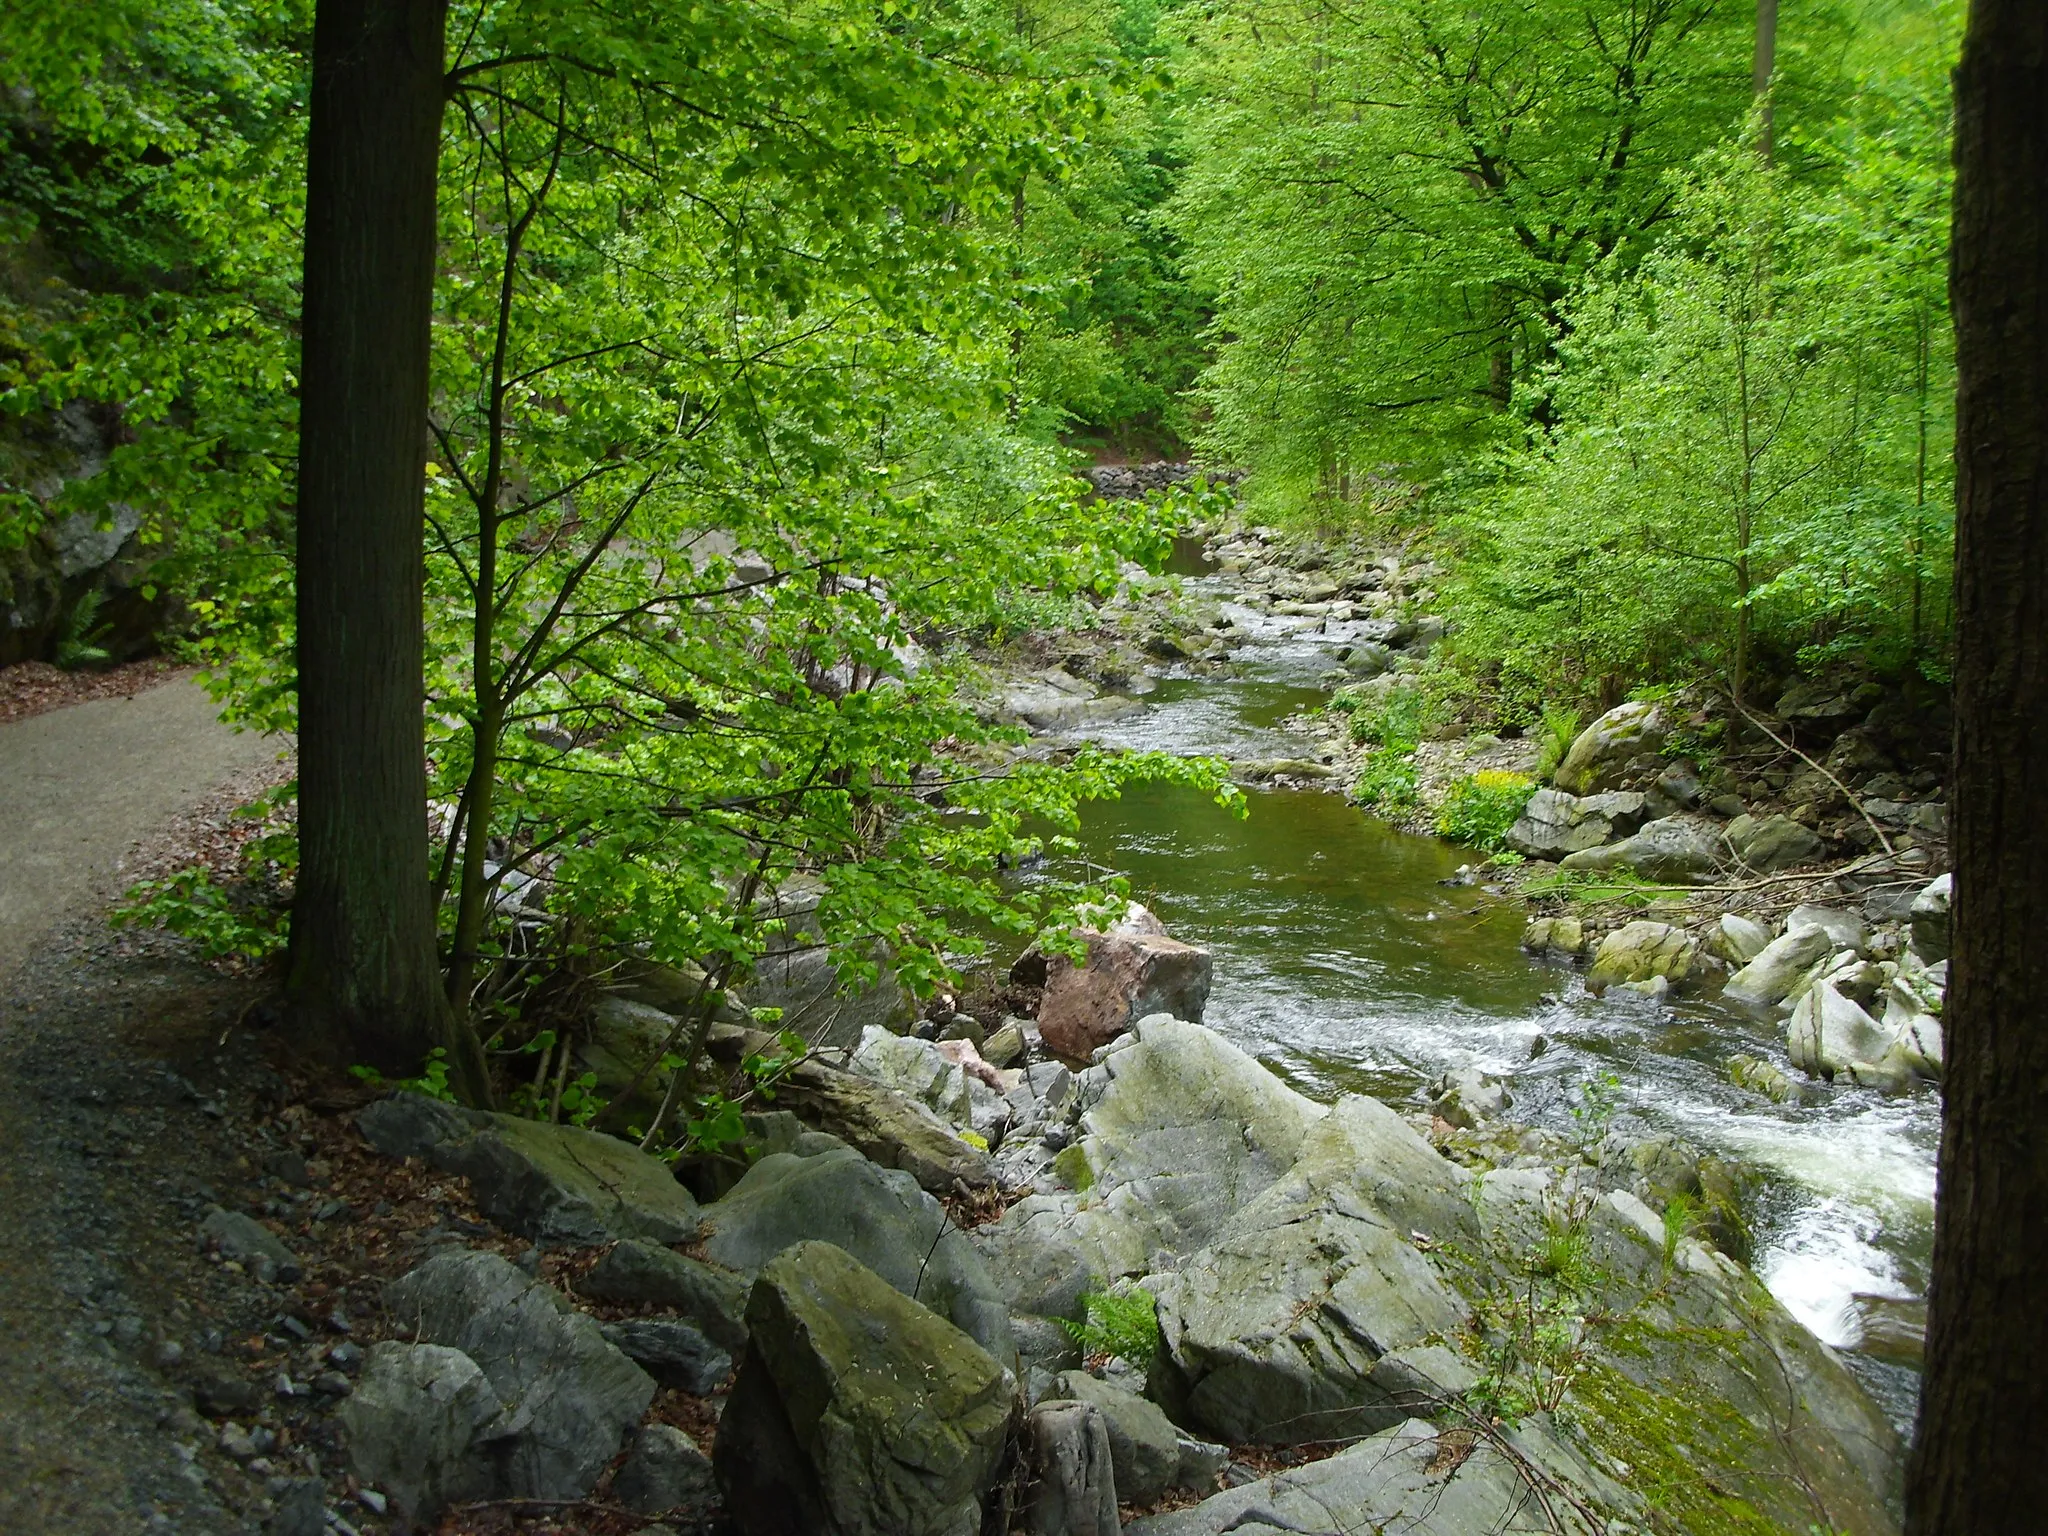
{"type": "Point", "coordinates": [1976, 1463]}
{"type": "Point", "coordinates": [364, 963]}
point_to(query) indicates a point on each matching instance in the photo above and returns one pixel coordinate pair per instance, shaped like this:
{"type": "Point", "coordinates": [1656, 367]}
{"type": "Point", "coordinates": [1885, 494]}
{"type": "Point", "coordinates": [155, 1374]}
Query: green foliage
{"type": "Point", "coordinates": [1387, 781]}
{"type": "Point", "coordinates": [1593, 1105]}
{"type": "Point", "coordinates": [1479, 810]}
{"type": "Point", "coordinates": [432, 1081]}
{"type": "Point", "coordinates": [1537, 1324]}
{"type": "Point", "coordinates": [1558, 729]}
{"type": "Point", "coordinates": [243, 922]}
{"type": "Point", "coordinates": [1122, 1324]}
{"type": "Point", "coordinates": [75, 646]}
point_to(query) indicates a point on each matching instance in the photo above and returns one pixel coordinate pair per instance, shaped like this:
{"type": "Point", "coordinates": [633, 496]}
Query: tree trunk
{"type": "Point", "coordinates": [1977, 1464]}
{"type": "Point", "coordinates": [364, 966]}
{"type": "Point", "coordinates": [1766, 66]}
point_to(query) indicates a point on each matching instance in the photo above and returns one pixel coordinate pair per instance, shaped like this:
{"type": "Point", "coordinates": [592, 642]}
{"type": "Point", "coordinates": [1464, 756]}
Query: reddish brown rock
{"type": "Point", "coordinates": [1129, 974]}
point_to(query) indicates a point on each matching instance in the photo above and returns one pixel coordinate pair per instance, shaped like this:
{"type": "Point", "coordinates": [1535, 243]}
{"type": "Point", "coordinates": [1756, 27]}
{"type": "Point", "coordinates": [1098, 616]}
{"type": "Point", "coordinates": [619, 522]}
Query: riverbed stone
{"type": "Point", "coordinates": [879, 1216]}
{"type": "Point", "coordinates": [1845, 930]}
{"type": "Point", "coordinates": [572, 1395]}
{"type": "Point", "coordinates": [1778, 969]}
{"type": "Point", "coordinates": [1675, 850]}
{"type": "Point", "coordinates": [1737, 939]}
{"type": "Point", "coordinates": [1829, 1034]}
{"type": "Point", "coordinates": [1768, 844]}
{"type": "Point", "coordinates": [1555, 936]}
{"type": "Point", "coordinates": [1468, 1097]}
{"type": "Point", "coordinates": [1621, 742]}
{"type": "Point", "coordinates": [1128, 975]}
{"type": "Point", "coordinates": [1929, 920]}
{"type": "Point", "coordinates": [1555, 823]}
{"type": "Point", "coordinates": [1643, 951]}
{"type": "Point", "coordinates": [857, 1411]}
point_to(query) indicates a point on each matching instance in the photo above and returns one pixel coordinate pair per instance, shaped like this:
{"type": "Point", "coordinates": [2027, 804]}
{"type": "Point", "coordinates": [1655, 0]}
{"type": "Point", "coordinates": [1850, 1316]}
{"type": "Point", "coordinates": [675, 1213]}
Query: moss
{"type": "Point", "coordinates": [1072, 1166]}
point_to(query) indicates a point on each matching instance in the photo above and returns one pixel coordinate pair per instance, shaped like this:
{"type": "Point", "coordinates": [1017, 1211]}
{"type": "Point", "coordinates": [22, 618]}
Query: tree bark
{"type": "Point", "coordinates": [365, 970]}
{"type": "Point", "coordinates": [1977, 1464]}
{"type": "Point", "coordinates": [1765, 67]}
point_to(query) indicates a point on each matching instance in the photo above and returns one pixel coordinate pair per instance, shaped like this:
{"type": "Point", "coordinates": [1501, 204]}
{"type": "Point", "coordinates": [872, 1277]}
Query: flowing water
{"type": "Point", "coordinates": [1345, 963]}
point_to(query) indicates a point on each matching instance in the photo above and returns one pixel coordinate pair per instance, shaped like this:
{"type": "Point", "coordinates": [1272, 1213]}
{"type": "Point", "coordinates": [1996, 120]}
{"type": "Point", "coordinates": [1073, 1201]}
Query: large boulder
{"type": "Point", "coordinates": [1737, 939]}
{"type": "Point", "coordinates": [1845, 930]}
{"type": "Point", "coordinates": [645, 1274]}
{"type": "Point", "coordinates": [1641, 950]}
{"type": "Point", "coordinates": [1771, 843]}
{"type": "Point", "coordinates": [673, 1352]}
{"type": "Point", "coordinates": [920, 1070]}
{"type": "Point", "coordinates": [1144, 1447]}
{"type": "Point", "coordinates": [1675, 850]}
{"type": "Point", "coordinates": [569, 1394]}
{"type": "Point", "coordinates": [1273, 1333]}
{"type": "Point", "coordinates": [1779, 967]}
{"type": "Point", "coordinates": [1930, 922]}
{"type": "Point", "coordinates": [1622, 743]}
{"type": "Point", "coordinates": [857, 1412]}
{"type": "Point", "coordinates": [1073, 1487]}
{"type": "Point", "coordinates": [552, 1183]}
{"type": "Point", "coordinates": [879, 1216]}
{"type": "Point", "coordinates": [1831, 1036]}
{"type": "Point", "coordinates": [420, 1426]}
{"type": "Point", "coordinates": [1555, 823]}
{"type": "Point", "coordinates": [1129, 974]}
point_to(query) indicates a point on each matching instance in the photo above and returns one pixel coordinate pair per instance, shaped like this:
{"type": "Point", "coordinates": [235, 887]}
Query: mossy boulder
{"type": "Point", "coordinates": [857, 1411]}
{"type": "Point", "coordinates": [1642, 950]}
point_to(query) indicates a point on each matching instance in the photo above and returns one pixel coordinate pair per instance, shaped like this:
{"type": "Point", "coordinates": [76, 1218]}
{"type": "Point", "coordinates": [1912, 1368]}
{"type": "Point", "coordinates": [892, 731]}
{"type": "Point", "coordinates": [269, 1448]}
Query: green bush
{"type": "Point", "coordinates": [1126, 1326]}
{"type": "Point", "coordinates": [1479, 810]}
{"type": "Point", "coordinates": [1387, 781]}
{"type": "Point", "coordinates": [1558, 730]}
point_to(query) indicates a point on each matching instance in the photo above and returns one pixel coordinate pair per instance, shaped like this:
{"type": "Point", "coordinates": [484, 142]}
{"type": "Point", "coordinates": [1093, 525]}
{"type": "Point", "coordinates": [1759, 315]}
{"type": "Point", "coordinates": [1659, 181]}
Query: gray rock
{"type": "Point", "coordinates": [1073, 1485]}
{"type": "Point", "coordinates": [301, 1509]}
{"type": "Point", "coordinates": [1035, 1271]}
{"type": "Point", "coordinates": [1845, 930]}
{"type": "Point", "coordinates": [1555, 823]}
{"type": "Point", "coordinates": [1469, 1097]}
{"type": "Point", "coordinates": [1609, 749]}
{"type": "Point", "coordinates": [857, 1412]}
{"type": "Point", "coordinates": [1930, 920]}
{"type": "Point", "coordinates": [420, 1425]}
{"type": "Point", "coordinates": [552, 1183]}
{"type": "Point", "coordinates": [674, 1353]}
{"type": "Point", "coordinates": [919, 1070]}
{"type": "Point", "coordinates": [1143, 1444]}
{"type": "Point", "coordinates": [1005, 1045]}
{"type": "Point", "coordinates": [246, 1239]}
{"type": "Point", "coordinates": [1643, 951]}
{"type": "Point", "coordinates": [1766, 1078]}
{"type": "Point", "coordinates": [1424, 1380]}
{"type": "Point", "coordinates": [1771, 977]}
{"type": "Point", "coordinates": [799, 976]}
{"type": "Point", "coordinates": [664, 1471]}
{"type": "Point", "coordinates": [1676, 850]}
{"type": "Point", "coordinates": [1738, 939]}
{"type": "Point", "coordinates": [1398, 1480]}
{"type": "Point", "coordinates": [1772, 843]}
{"type": "Point", "coordinates": [879, 1216]}
{"type": "Point", "coordinates": [1819, 702]}
{"type": "Point", "coordinates": [1829, 1034]}
{"type": "Point", "coordinates": [570, 1395]}
{"type": "Point", "coordinates": [640, 1273]}
{"type": "Point", "coordinates": [624, 1046]}
{"type": "Point", "coordinates": [1555, 936]}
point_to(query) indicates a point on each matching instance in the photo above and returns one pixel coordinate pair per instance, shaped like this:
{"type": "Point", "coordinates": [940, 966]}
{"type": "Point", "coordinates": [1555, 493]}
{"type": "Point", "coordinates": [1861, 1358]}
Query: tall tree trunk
{"type": "Point", "coordinates": [1977, 1464]}
{"type": "Point", "coordinates": [1766, 66]}
{"type": "Point", "coordinates": [364, 966]}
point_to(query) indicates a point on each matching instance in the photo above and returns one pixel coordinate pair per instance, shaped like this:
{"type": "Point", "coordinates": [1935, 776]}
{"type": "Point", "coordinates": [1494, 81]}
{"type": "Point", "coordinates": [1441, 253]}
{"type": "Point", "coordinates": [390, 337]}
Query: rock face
{"type": "Point", "coordinates": [1611, 748]}
{"type": "Point", "coordinates": [1778, 969]}
{"type": "Point", "coordinates": [420, 1423]}
{"type": "Point", "coordinates": [1772, 843]}
{"type": "Point", "coordinates": [1555, 823]}
{"type": "Point", "coordinates": [1642, 950]}
{"type": "Point", "coordinates": [569, 1395]}
{"type": "Point", "coordinates": [1073, 1489]}
{"type": "Point", "coordinates": [1676, 850]}
{"type": "Point", "coordinates": [1130, 973]}
{"type": "Point", "coordinates": [552, 1183]}
{"type": "Point", "coordinates": [877, 1215]}
{"type": "Point", "coordinates": [857, 1412]}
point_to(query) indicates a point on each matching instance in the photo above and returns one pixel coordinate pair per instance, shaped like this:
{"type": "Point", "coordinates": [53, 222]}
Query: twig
{"type": "Point", "coordinates": [1846, 794]}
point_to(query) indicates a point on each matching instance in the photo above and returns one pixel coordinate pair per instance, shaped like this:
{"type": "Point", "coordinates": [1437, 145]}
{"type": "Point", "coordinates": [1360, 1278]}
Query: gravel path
{"type": "Point", "coordinates": [80, 786]}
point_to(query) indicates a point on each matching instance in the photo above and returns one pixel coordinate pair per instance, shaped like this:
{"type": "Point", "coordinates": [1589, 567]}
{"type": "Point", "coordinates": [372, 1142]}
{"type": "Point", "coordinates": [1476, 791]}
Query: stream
{"type": "Point", "coordinates": [1345, 963]}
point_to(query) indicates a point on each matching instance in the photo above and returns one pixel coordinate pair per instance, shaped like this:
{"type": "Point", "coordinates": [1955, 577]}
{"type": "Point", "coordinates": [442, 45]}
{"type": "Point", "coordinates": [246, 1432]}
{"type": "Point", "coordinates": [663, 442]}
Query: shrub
{"type": "Point", "coordinates": [1479, 810]}
{"type": "Point", "coordinates": [1126, 1326]}
{"type": "Point", "coordinates": [1556, 733]}
{"type": "Point", "coordinates": [1387, 781]}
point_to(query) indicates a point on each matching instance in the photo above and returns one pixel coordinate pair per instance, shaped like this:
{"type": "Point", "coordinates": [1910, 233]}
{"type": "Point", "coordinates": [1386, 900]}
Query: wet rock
{"type": "Point", "coordinates": [1676, 850]}
{"type": "Point", "coordinates": [1469, 1097]}
{"type": "Point", "coordinates": [879, 1216]}
{"type": "Point", "coordinates": [247, 1240]}
{"type": "Point", "coordinates": [552, 1183]}
{"type": "Point", "coordinates": [1772, 843]}
{"type": "Point", "coordinates": [674, 1353]}
{"type": "Point", "coordinates": [1760, 1076]}
{"type": "Point", "coordinates": [1929, 919]}
{"type": "Point", "coordinates": [1829, 1034]}
{"type": "Point", "coordinates": [1144, 1446]}
{"type": "Point", "coordinates": [664, 1471]}
{"type": "Point", "coordinates": [1555, 823]}
{"type": "Point", "coordinates": [1892, 1328]}
{"type": "Point", "coordinates": [1606, 752]}
{"type": "Point", "coordinates": [1073, 1484]}
{"type": "Point", "coordinates": [420, 1426]}
{"type": "Point", "coordinates": [1129, 974]}
{"type": "Point", "coordinates": [1642, 951]}
{"type": "Point", "coordinates": [1555, 936]}
{"type": "Point", "coordinates": [641, 1273]}
{"type": "Point", "coordinates": [573, 1393]}
{"type": "Point", "coordinates": [1771, 977]}
{"type": "Point", "coordinates": [857, 1412]}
